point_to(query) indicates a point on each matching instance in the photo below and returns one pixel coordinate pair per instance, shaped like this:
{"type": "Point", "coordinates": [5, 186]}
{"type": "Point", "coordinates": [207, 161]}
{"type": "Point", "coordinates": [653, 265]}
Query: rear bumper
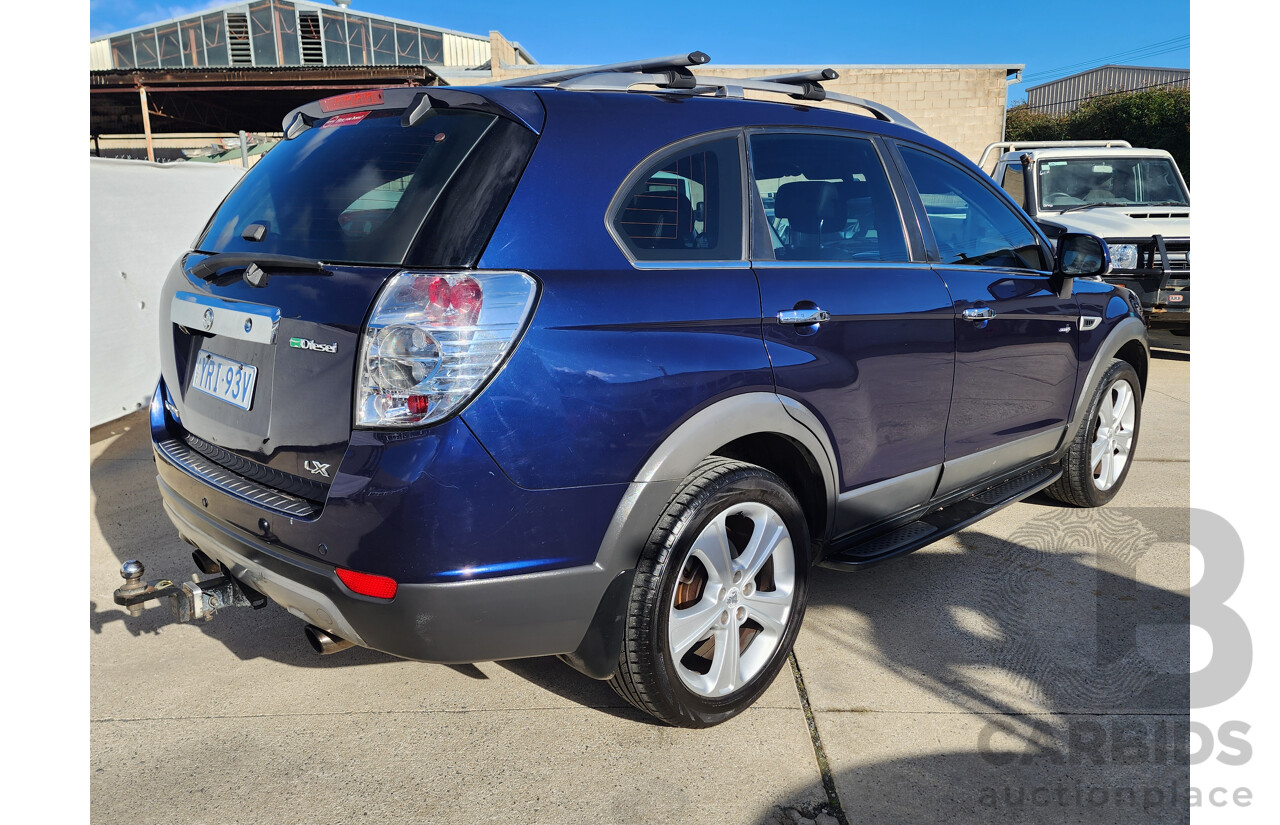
{"type": "Point", "coordinates": [535, 614]}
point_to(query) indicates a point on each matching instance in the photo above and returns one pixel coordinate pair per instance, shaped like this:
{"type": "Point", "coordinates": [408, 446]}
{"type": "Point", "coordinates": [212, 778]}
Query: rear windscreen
{"type": "Point", "coordinates": [355, 188]}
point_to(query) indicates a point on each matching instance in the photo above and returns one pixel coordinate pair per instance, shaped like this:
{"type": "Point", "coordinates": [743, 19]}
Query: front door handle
{"type": "Point", "coordinates": [803, 317]}
{"type": "Point", "coordinates": [979, 314]}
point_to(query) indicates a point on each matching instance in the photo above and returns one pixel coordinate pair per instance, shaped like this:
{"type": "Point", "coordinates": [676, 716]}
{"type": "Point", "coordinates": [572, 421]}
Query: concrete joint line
{"type": "Point", "coordinates": [828, 781]}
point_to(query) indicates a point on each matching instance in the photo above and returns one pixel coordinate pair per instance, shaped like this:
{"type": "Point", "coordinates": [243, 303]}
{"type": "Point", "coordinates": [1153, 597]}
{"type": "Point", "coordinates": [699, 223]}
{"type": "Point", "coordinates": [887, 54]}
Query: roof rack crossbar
{"type": "Point", "coordinates": [814, 76]}
{"type": "Point", "coordinates": [654, 64]}
{"type": "Point", "coordinates": [730, 87]}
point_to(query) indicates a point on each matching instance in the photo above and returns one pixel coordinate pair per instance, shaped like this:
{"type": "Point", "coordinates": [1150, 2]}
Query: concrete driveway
{"type": "Point", "coordinates": [1030, 669]}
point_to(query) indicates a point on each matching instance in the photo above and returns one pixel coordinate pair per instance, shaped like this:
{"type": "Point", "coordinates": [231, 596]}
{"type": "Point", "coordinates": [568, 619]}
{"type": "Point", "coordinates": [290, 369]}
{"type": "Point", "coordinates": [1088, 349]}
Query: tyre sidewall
{"type": "Point", "coordinates": [742, 486]}
{"type": "Point", "coordinates": [1119, 371]}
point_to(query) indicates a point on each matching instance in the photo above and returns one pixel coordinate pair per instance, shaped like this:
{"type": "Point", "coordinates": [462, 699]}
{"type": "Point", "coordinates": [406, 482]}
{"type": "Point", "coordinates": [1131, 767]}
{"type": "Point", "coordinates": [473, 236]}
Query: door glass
{"type": "Point", "coordinates": [826, 198]}
{"type": "Point", "coordinates": [972, 226]}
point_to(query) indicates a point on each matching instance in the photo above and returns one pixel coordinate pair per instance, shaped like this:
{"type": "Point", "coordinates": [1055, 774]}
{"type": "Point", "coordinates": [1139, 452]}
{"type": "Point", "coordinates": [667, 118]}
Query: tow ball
{"type": "Point", "coordinates": [188, 602]}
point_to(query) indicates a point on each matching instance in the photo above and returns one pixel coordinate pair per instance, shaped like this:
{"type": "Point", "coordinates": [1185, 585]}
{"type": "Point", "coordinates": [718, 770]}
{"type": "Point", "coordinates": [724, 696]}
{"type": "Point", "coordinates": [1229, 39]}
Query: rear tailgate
{"type": "Point", "coordinates": [261, 324]}
{"type": "Point", "coordinates": [294, 417]}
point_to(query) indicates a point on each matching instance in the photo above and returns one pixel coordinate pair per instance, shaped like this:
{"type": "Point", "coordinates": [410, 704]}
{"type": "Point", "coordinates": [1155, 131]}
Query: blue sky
{"type": "Point", "coordinates": [1052, 40]}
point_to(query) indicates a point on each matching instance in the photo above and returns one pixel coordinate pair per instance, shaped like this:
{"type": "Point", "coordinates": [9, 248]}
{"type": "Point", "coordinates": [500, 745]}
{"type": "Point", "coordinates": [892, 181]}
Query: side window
{"type": "Point", "coordinates": [827, 198]}
{"type": "Point", "coordinates": [686, 207]}
{"type": "Point", "coordinates": [971, 225]}
{"type": "Point", "coordinates": [1012, 182]}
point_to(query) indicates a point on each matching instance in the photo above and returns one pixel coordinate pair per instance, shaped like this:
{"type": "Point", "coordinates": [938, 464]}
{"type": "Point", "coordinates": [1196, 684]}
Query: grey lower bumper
{"type": "Point", "coordinates": [538, 614]}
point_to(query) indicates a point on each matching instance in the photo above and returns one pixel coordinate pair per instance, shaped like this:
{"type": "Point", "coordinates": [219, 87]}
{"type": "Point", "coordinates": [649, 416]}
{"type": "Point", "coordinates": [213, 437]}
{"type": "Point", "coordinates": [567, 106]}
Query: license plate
{"type": "Point", "coordinates": [225, 379]}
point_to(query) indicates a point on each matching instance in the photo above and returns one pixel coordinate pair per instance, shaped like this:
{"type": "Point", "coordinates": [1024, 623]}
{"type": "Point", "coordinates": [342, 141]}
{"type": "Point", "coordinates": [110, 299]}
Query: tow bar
{"type": "Point", "coordinates": [192, 601]}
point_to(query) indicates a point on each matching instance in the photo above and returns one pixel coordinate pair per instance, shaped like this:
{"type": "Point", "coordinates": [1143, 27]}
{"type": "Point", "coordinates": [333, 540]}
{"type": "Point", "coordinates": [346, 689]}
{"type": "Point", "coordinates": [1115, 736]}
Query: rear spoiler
{"type": "Point", "coordinates": [519, 106]}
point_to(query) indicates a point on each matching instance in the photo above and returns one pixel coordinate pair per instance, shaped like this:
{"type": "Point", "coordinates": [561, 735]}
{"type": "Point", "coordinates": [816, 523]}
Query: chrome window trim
{"type": "Point", "coordinates": [227, 318]}
{"type": "Point", "coordinates": [789, 264]}
{"type": "Point", "coordinates": [691, 264]}
{"type": "Point", "coordinates": [1010, 271]}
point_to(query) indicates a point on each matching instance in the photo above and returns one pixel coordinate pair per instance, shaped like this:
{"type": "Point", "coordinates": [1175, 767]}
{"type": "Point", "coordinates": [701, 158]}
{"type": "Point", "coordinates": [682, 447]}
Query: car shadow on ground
{"type": "Point", "coordinates": [1057, 611]}
{"type": "Point", "coordinates": [1031, 677]}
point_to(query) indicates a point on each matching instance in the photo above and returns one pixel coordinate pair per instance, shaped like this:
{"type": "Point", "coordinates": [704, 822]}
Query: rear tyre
{"type": "Point", "coordinates": [718, 598]}
{"type": "Point", "coordinates": [1098, 460]}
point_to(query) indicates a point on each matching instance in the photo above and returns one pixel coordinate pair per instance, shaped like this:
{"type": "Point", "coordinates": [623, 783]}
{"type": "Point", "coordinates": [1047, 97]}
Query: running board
{"type": "Point", "coordinates": [942, 522]}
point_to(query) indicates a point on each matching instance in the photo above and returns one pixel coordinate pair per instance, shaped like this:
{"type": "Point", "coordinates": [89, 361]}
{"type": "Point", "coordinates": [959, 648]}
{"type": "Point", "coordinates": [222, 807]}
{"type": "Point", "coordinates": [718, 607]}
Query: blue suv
{"type": "Point", "coordinates": [600, 364]}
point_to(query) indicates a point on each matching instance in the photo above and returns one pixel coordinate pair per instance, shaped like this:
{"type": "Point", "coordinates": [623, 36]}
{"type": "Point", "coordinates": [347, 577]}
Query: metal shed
{"type": "Point", "coordinates": [1064, 95]}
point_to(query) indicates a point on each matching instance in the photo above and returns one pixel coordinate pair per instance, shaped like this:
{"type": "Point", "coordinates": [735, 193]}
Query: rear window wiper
{"type": "Point", "coordinates": [208, 268]}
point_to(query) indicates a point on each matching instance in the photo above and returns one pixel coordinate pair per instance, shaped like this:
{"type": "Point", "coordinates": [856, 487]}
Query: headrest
{"type": "Point", "coordinates": [810, 204]}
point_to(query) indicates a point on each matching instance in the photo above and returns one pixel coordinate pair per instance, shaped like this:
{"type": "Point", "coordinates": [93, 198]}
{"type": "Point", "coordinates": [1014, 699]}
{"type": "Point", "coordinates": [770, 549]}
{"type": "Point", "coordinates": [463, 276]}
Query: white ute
{"type": "Point", "coordinates": [1134, 199]}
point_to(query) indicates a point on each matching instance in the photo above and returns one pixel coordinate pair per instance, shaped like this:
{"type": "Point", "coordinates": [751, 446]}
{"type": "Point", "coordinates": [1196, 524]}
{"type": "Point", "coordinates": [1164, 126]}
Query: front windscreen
{"type": "Point", "coordinates": [354, 188]}
{"type": "Point", "coordinates": [1130, 181]}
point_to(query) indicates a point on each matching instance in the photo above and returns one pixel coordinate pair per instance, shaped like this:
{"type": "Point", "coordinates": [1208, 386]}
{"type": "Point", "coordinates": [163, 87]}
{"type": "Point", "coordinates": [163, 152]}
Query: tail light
{"type": "Point", "coordinates": [433, 341]}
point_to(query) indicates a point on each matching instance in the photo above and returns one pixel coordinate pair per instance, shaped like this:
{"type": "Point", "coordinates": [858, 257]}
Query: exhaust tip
{"type": "Point", "coordinates": [323, 642]}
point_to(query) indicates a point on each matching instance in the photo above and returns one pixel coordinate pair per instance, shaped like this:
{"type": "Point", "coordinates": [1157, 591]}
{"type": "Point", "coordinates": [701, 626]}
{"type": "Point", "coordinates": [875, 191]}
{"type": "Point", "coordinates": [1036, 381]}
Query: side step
{"type": "Point", "coordinates": [942, 522]}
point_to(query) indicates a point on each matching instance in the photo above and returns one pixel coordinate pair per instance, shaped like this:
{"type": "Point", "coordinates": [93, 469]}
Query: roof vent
{"type": "Point", "coordinates": [238, 39]}
{"type": "Point", "coordinates": [343, 3]}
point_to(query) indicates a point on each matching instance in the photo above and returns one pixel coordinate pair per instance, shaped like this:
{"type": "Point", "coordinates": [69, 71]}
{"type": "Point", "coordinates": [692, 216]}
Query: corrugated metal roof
{"type": "Point", "coordinates": [1058, 97]}
{"type": "Point", "coordinates": [244, 4]}
{"type": "Point", "coordinates": [1184, 72]}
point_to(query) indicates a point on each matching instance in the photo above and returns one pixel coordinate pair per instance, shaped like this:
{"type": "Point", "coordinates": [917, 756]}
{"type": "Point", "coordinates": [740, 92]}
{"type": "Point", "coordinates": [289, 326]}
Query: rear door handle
{"type": "Point", "coordinates": [803, 317]}
{"type": "Point", "coordinates": [979, 314]}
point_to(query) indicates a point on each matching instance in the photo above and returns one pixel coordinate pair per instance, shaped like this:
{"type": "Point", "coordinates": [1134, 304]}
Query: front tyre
{"type": "Point", "coordinates": [718, 598]}
{"type": "Point", "coordinates": [1098, 460]}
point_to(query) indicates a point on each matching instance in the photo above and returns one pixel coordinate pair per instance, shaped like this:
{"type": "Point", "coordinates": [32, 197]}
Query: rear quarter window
{"type": "Point", "coordinates": [686, 206]}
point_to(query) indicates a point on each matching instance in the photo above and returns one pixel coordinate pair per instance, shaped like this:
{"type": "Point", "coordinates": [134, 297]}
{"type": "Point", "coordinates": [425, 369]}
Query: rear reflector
{"type": "Point", "coordinates": [366, 584]}
{"type": "Point", "coordinates": [353, 100]}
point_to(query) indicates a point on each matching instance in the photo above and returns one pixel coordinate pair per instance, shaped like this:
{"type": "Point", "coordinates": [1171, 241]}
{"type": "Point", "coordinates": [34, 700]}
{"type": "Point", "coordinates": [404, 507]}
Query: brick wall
{"type": "Point", "coordinates": [962, 106]}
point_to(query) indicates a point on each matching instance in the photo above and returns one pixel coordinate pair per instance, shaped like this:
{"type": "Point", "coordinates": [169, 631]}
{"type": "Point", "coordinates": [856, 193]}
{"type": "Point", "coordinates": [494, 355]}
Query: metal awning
{"type": "Point", "coordinates": [169, 101]}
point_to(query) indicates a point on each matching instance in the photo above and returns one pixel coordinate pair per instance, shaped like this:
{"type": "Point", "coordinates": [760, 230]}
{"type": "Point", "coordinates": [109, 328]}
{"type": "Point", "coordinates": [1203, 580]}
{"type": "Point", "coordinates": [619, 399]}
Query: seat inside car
{"type": "Point", "coordinates": [816, 211]}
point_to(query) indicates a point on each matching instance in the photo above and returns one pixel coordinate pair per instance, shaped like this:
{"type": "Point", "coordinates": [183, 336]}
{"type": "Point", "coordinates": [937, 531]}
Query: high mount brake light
{"type": "Point", "coordinates": [352, 100]}
{"type": "Point", "coordinates": [433, 340]}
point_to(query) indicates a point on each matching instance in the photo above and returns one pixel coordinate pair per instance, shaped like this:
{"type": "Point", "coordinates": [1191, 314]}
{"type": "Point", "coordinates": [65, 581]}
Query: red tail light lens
{"type": "Point", "coordinates": [433, 340]}
{"type": "Point", "coordinates": [352, 100]}
{"type": "Point", "coordinates": [465, 296]}
{"type": "Point", "coordinates": [367, 584]}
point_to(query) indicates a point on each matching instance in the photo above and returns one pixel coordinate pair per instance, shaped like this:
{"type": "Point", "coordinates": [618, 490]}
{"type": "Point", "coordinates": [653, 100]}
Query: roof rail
{"type": "Point", "coordinates": [673, 63]}
{"type": "Point", "coordinates": [1015, 145]}
{"type": "Point", "coordinates": [673, 73]}
{"type": "Point", "coordinates": [800, 89]}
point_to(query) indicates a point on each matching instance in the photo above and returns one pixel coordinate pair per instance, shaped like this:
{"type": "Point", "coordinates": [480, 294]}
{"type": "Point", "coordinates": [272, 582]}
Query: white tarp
{"type": "Point", "coordinates": [143, 216]}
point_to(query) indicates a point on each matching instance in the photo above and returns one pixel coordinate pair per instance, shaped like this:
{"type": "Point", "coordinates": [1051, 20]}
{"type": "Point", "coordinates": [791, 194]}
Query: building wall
{"type": "Point", "coordinates": [962, 106]}
{"type": "Point", "coordinates": [142, 216]}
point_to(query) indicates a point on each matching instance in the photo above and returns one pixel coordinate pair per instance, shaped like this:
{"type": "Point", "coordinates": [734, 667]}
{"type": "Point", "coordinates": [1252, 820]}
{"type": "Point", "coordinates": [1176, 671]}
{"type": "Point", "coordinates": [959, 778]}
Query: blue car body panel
{"type": "Point", "coordinates": [540, 471]}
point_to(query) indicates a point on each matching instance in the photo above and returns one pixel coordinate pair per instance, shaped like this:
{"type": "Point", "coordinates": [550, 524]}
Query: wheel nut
{"type": "Point", "coordinates": [724, 617]}
{"type": "Point", "coordinates": [749, 588]}
{"type": "Point", "coordinates": [742, 613]}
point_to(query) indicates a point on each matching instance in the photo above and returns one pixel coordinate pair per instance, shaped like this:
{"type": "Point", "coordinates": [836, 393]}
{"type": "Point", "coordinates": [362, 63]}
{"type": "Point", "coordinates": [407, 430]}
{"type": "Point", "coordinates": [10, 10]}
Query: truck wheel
{"type": "Point", "coordinates": [719, 594]}
{"type": "Point", "coordinates": [1099, 458]}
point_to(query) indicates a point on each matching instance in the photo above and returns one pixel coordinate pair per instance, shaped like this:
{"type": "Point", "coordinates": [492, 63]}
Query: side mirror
{"type": "Point", "coordinates": [1079, 256]}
